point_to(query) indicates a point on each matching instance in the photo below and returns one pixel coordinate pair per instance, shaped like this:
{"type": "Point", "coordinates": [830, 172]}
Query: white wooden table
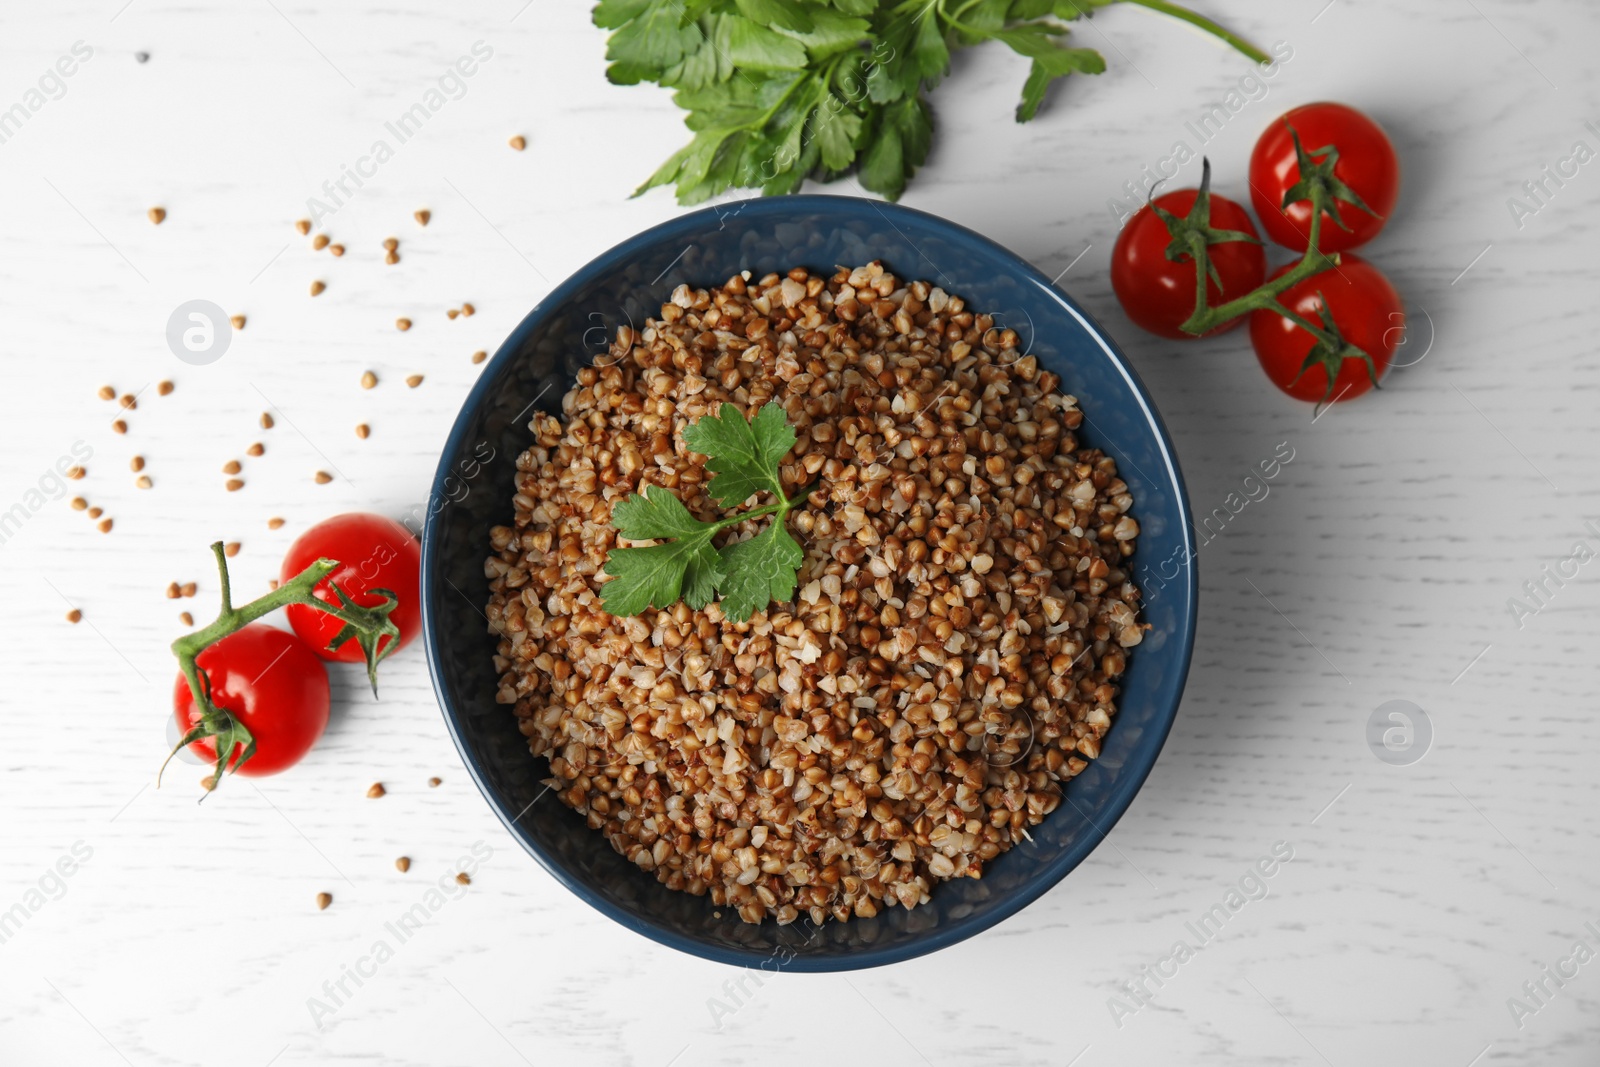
{"type": "Point", "coordinates": [1420, 898]}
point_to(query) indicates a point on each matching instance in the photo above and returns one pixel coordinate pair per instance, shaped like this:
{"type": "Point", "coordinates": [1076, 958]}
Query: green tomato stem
{"type": "Point", "coordinates": [371, 623]}
{"type": "Point", "coordinates": [295, 591]}
{"type": "Point", "coordinates": [1265, 298]}
{"type": "Point", "coordinates": [1194, 18]}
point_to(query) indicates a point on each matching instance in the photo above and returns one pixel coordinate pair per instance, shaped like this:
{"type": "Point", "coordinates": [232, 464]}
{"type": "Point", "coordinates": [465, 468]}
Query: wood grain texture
{"type": "Point", "coordinates": [1419, 898]}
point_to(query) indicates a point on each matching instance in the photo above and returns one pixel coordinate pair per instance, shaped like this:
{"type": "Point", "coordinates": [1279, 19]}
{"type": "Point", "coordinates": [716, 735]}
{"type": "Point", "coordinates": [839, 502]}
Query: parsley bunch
{"type": "Point", "coordinates": [778, 90]}
{"type": "Point", "coordinates": [743, 457]}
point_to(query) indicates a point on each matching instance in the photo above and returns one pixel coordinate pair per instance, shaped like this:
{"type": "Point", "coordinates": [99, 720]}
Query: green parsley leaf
{"type": "Point", "coordinates": [897, 147]}
{"type": "Point", "coordinates": [981, 21]}
{"type": "Point", "coordinates": [883, 168]}
{"type": "Point", "coordinates": [754, 47]}
{"type": "Point", "coordinates": [686, 568]}
{"type": "Point", "coordinates": [709, 62]}
{"type": "Point", "coordinates": [1068, 9]}
{"type": "Point", "coordinates": [759, 571]}
{"type": "Point", "coordinates": [649, 516]}
{"type": "Point", "coordinates": [835, 128]}
{"type": "Point", "coordinates": [893, 71]}
{"type": "Point", "coordinates": [614, 14]}
{"type": "Point", "coordinates": [930, 52]}
{"type": "Point", "coordinates": [778, 91]}
{"type": "Point", "coordinates": [1050, 61]}
{"type": "Point", "coordinates": [691, 10]}
{"type": "Point", "coordinates": [743, 455]}
{"type": "Point", "coordinates": [748, 574]}
{"type": "Point", "coordinates": [830, 34]}
{"type": "Point", "coordinates": [688, 166]}
{"type": "Point", "coordinates": [779, 14]}
{"type": "Point", "coordinates": [1028, 10]}
{"type": "Point", "coordinates": [649, 43]}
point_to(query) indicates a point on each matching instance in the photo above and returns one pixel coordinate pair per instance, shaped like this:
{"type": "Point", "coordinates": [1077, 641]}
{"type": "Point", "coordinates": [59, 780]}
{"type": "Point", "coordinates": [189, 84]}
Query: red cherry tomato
{"type": "Point", "coordinates": [374, 552]}
{"type": "Point", "coordinates": [1367, 164]}
{"type": "Point", "coordinates": [1157, 293]}
{"type": "Point", "coordinates": [1367, 312]}
{"type": "Point", "coordinates": [272, 683]}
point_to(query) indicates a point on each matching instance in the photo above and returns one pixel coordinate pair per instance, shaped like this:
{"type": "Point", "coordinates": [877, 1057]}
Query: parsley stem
{"type": "Point", "coordinates": [780, 507]}
{"type": "Point", "coordinates": [754, 513]}
{"type": "Point", "coordinates": [1194, 18]}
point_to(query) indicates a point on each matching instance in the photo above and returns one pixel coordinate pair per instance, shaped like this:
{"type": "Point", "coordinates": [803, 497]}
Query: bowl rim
{"type": "Point", "coordinates": [1136, 771]}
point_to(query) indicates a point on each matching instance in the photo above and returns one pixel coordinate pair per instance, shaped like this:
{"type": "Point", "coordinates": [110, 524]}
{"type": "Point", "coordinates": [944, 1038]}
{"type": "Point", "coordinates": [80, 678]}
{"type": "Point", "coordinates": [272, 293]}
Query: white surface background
{"type": "Point", "coordinates": [1420, 898]}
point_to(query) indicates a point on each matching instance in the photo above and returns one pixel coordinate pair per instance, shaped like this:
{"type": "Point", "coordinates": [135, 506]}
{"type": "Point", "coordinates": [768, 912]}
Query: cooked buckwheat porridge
{"type": "Point", "coordinates": [952, 652]}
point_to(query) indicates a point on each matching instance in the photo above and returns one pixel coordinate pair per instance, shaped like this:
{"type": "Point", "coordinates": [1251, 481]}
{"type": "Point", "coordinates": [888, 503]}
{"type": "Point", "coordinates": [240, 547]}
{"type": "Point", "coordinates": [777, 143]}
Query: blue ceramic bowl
{"type": "Point", "coordinates": [537, 364]}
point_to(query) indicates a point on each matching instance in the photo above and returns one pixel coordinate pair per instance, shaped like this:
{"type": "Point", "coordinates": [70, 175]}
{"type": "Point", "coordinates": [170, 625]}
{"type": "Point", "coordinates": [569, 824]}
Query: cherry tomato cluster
{"type": "Point", "coordinates": [1323, 179]}
{"type": "Point", "coordinates": [272, 682]}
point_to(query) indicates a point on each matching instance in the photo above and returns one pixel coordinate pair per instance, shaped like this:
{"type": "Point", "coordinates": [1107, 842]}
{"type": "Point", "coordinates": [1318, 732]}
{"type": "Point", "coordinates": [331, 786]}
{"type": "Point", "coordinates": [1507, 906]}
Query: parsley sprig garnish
{"type": "Point", "coordinates": [748, 575]}
{"type": "Point", "coordinates": [779, 90]}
